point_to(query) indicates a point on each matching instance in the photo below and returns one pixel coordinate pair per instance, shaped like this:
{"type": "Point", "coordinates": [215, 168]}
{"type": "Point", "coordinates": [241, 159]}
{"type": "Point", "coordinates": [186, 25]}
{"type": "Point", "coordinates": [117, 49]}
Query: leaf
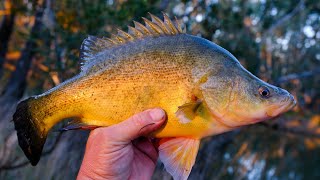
{"type": "Point", "coordinates": [314, 122]}
{"type": "Point", "coordinates": [293, 123]}
{"type": "Point", "coordinates": [312, 143]}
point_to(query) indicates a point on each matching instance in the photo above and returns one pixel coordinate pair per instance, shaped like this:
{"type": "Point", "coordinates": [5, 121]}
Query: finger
{"type": "Point", "coordinates": [156, 143]}
{"type": "Point", "coordinates": [146, 147]}
{"type": "Point", "coordinates": [138, 125]}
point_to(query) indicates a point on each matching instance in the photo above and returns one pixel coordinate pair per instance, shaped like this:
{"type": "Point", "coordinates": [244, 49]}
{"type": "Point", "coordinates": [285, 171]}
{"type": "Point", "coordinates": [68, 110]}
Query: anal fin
{"type": "Point", "coordinates": [77, 125]}
{"type": "Point", "coordinates": [178, 155]}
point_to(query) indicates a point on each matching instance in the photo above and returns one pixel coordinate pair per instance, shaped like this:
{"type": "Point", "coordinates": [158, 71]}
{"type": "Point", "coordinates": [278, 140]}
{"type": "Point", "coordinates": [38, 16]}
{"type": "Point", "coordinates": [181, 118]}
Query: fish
{"type": "Point", "coordinates": [202, 87]}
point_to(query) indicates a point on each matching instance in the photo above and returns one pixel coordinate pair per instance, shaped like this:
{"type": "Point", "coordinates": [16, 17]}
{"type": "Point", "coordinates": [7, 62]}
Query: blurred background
{"type": "Point", "coordinates": [276, 40]}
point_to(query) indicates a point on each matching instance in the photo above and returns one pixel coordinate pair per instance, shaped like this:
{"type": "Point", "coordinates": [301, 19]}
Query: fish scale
{"type": "Point", "coordinates": [202, 87]}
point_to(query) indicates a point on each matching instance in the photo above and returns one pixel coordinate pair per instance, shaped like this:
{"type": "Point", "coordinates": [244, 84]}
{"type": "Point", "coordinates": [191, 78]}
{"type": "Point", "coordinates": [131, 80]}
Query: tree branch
{"type": "Point", "coordinates": [301, 75]}
{"type": "Point", "coordinates": [294, 131]}
{"type": "Point", "coordinates": [286, 18]}
{"type": "Point", "coordinates": [12, 166]}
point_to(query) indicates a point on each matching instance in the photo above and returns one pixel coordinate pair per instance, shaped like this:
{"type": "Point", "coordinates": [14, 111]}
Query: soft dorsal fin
{"type": "Point", "coordinates": [156, 27]}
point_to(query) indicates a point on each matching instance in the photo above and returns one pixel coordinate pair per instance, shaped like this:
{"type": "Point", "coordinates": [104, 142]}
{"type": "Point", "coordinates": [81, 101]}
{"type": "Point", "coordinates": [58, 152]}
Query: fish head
{"type": "Point", "coordinates": [236, 97]}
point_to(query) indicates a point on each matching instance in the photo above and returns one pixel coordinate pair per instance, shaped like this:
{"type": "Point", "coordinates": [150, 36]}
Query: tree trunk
{"type": "Point", "coordinates": [6, 30]}
{"type": "Point", "coordinates": [17, 83]}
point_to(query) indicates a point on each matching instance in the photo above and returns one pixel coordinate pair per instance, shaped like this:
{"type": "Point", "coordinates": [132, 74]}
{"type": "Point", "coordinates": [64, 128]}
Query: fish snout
{"type": "Point", "coordinates": [288, 99]}
{"type": "Point", "coordinates": [283, 103]}
{"type": "Point", "coordinates": [292, 101]}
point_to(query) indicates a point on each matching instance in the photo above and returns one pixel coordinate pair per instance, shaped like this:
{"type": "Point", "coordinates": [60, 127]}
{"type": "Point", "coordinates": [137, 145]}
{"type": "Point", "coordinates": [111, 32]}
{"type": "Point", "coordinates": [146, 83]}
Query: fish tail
{"type": "Point", "coordinates": [30, 136]}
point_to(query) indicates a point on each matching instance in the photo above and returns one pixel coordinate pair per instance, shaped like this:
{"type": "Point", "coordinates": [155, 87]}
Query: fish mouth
{"type": "Point", "coordinates": [291, 104]}
{"type": "Point", "coordinates": [275, 110]}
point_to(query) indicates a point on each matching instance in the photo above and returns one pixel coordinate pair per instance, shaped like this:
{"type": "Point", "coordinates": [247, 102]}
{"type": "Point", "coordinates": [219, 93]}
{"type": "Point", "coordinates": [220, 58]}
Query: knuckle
{"type": "Point", "coordinates": [142, 118]}
{"type": "Point", "coordinates": [138, 119]}
{"type": "Point", "coordinates": [99, 133]}
{"type": "Point", "coordinates": [95, 133]}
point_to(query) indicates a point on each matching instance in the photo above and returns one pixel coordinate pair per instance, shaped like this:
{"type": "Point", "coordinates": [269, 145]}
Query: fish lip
{"type": "Point", "coordinates": [282, 109]}
{"type": "Point", "coordinates": [293, 102]}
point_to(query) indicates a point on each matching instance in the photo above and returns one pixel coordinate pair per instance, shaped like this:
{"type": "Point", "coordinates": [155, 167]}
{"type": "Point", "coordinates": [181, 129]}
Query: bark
{"type": "Point", "coordinates": [17, 83]}
{"type": "Point", "coordinates": [6, 30]}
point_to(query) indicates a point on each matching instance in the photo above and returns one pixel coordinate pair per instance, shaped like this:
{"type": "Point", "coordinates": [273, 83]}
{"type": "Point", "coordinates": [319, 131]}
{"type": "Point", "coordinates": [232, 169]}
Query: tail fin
{"type": "Point", "coordinates": [31, 138]}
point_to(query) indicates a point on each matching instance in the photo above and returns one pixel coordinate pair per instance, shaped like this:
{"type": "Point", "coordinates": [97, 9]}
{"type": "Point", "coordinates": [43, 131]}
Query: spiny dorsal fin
{"type": "Point", "coordinates": [154, 28]}
{"type": "Point", "coordinates": [92, 45]}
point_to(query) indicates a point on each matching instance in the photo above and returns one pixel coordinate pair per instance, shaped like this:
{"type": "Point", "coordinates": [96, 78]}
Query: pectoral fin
{"type": "Point", "coordinates": [189, 111]}
{"type": "Point", "coordinates": [178, 155]}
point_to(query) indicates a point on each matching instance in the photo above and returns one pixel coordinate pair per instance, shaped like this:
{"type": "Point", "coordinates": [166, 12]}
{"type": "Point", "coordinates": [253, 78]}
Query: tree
{"type": "Point", "coordinates": [6, 29]}
{"type": "Point", "coordinates": [17, 83]}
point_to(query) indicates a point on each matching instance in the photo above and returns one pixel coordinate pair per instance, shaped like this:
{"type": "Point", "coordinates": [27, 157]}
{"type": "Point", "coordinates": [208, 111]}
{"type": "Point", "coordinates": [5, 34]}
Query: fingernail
{"type": "Point", "coordinates": [157, 114]}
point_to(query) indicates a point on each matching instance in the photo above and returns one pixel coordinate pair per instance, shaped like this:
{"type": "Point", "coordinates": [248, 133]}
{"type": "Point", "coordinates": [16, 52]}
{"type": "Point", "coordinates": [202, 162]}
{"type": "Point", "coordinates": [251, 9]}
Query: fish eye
{"type": "Point", "coordinates": [264, 92]}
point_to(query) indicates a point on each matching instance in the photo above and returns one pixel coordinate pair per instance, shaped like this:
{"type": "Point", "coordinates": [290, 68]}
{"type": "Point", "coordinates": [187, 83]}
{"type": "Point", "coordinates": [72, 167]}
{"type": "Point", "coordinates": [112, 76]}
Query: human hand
{"type": "Point", "coordinates": [117, 152]}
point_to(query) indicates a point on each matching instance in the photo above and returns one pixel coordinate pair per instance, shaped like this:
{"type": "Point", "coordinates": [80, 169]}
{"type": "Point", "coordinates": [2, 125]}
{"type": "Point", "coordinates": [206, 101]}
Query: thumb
{"type": "Point", "coordinates": [138, 125]}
